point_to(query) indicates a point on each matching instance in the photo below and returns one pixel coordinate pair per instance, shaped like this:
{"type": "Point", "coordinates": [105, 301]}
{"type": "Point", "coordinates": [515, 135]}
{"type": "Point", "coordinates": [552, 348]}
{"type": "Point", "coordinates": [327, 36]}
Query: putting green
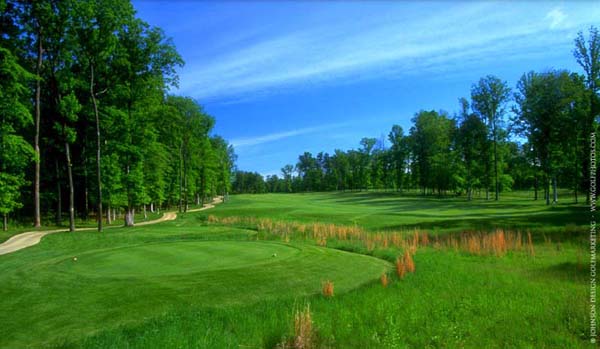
{"type": "Point", "coordinates": [112, 286]}
{"type": "Point", "coordinates": [200, 271]}
{"type": "Point", "coordinates": [176, 258]}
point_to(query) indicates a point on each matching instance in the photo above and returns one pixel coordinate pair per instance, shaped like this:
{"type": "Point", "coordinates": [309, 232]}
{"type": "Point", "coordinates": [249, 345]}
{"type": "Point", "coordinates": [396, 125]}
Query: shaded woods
{"type": "Point", "coordinates": [88, 127]}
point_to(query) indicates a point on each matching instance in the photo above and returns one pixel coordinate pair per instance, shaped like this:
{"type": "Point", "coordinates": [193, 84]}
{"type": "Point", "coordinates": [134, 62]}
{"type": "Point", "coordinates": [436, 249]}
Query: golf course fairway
{"type": "Point", "coordinates": [177, 258]}
{"type": "Point", "coordinates": [98, 289]}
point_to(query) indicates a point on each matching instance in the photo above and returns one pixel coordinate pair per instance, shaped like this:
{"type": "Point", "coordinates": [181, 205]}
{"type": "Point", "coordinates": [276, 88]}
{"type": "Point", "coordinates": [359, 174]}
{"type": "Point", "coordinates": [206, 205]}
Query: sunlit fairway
{"type": "Point", "coordinates": [393, 211]}
{"type": "Point", "coordinates": [82, 283]}
{"type": "Point", "coordinates": [192, 283]}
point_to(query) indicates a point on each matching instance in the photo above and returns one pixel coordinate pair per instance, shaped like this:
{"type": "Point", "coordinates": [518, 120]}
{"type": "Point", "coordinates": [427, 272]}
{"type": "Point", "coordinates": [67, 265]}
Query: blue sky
{"type": "Point", "coordinates": [286, 77]}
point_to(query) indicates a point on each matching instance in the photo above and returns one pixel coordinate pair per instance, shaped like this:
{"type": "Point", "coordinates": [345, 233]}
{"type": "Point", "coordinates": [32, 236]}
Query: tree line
{"type": "Point", "coordinates": [534, 136]}
{"type": "Point", "coordinates": [87, 121]}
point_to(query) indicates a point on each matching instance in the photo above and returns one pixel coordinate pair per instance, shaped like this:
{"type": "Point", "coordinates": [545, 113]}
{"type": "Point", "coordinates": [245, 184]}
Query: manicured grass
{"type": "Point", "coordinates": [451, 301]}
{"type": "Point", "coordinates": [127, 275]}
{"type": "Point", "coordinates": [393, 211]}
{"type": "Point", "coordinates": [186, 284]}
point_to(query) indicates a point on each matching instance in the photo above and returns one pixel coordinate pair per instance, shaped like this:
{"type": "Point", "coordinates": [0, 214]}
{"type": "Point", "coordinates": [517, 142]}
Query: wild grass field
{"type": "Point", "coordinates": [239, 275]}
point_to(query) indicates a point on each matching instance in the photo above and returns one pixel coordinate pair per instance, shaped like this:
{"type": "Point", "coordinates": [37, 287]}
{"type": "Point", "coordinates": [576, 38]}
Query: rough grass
{"type": "Point", "coordinates": [532, 296]}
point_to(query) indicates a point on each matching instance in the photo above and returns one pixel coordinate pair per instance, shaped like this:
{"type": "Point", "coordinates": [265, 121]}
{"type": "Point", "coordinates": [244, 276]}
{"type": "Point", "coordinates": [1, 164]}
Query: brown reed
{"type": "Point", "coordinates": [328, 289]}
{"type": "Point", "coordinates": [303, 329]}
{"type": "Point", "coordinates": [408, 262]}
{"type": "Point", "coordinates": [530, 249]}
{"type": "Point", "coordinates": [400, 267]}
{"type": "Point", "coordinates": [384, 280]}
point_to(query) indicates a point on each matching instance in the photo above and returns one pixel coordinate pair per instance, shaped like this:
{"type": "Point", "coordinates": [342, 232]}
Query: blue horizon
{"type": "Point", "coordinates": [284, 78]}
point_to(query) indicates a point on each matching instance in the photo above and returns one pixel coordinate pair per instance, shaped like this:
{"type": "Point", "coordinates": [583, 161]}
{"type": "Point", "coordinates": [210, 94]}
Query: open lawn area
{"type": "Point", "coordinates": [203, 281]}
{"type": "Point", "coordinates": [392, 211]}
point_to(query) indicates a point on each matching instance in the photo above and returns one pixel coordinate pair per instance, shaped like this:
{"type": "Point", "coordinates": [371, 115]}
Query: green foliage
{"type": "Point", "coordinates": [15, 152]}
{"type": "Point", "coordinates": [547, 108]}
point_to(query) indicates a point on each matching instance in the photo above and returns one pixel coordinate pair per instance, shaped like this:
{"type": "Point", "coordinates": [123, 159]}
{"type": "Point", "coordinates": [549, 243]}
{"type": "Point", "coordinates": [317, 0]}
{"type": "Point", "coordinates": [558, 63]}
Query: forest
{"type": "Point", "coordinates": [535, 136]}
{"type": "Point", "coordinates": [88, 125]}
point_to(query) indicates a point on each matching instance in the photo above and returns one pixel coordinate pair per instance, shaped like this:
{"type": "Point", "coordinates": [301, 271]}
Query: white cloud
{"type": "Point", "coordinates": [445, 39]}
{"type": "Point", "coordinates": [251, 141]}
{"type": "Point", "coordinates": [556, 17]}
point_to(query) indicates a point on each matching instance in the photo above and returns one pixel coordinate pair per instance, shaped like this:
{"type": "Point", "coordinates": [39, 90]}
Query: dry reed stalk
{"type": "Point", "coordinates": [499, 242]}
{"type": "Point", "coordinates": [473, 244]}
{"type": "Point", "coordinates": [322, 241]}
{"type": "Point", "coordinates": [454, 243]}
{"type": "Point", "coordinates": [400, 267]}
{"type": "Point", "coordinates": [415, 241]}
{"type": "Point", "coordinates": [425, 239]}
{"type": "Point", "coordinates": [519, 242]}
{"type": "Point", "coordinates": [408, 261]}
{"type": "Point", "coordinates": [384, 280]}
{"type": "Point", "coordinates": [530, 249]}
{"type": "Point", "coordinates": [396, 239]}
{"type": "Point", "coordinates": [303, 329]}
{"type": "Point", "coordinates": [328, 289]}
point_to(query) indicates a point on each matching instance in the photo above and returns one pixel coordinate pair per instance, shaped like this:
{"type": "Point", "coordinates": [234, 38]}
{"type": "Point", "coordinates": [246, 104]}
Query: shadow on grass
{"type": "Point", "coordinates": [568, 271]}
{"type": "Point", "coordinates": [569, 217]}
{"type": "Point", "coordinates": [404, 202]}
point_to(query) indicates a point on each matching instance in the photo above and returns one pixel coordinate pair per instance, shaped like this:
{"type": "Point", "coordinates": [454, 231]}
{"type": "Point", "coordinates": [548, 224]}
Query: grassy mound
{"type": "Point", "coordinates": [196, 283]}
{"type": "Point", "coordinates": [176, 258]}
{"type": "Point", "coordinates": [114, 286]}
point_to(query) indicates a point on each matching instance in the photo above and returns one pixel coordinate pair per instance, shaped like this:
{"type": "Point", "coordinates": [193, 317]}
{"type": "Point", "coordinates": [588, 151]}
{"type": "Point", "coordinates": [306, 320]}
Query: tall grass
{"type": "Point", "coordinates": [303, 331]}
{"type": "Point", "coordinates": [496, 243]}
{"type": "Point", "coordinates": [328, 288]}
{"type": "Point", "coordinates": [384, 280]}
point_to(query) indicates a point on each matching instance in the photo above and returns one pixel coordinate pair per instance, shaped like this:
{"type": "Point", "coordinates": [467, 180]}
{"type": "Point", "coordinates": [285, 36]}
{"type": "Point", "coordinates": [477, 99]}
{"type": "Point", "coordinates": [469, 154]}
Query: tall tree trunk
{"type": "Point", "coordinates": [37, 221]}
{"type": "Point", "coordinates": [58, 195]}
{"type": "Point", "coordinates": [71, 190]}
{"type": "Point", "coordinates": [185, 187]}
{"type": "Point", "coordinates": [85, 185]}
{"type": "Point", "coordinates": [129, 217]}
{"type": "Point", "coordinates": [98, 147]}
{"type": "Point", "coordinates": [497, 186]}
{"type": "Point", "coordinates": [108, 220]}
{"type": "Point", "coordinates": [181, 178]}
{"type": "Point", "coordinates": [554, 190]}
{"type": "Point", "coordinates": [576, 168]}
{"type": "Point", "coordinates": [547, 190]}
{"type": "Point", "coordinates": [535, 188]}
{"type": "Point", "coordinates": [145, 213]}
{"type": "Point", "coordinates": [5, 222]}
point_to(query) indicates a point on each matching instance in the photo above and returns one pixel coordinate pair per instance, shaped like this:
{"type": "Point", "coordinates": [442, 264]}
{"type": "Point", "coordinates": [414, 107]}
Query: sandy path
{"type": "Point", "coordinates": [216, 200]}
{"type": "Point", "coordinates": [23, 240]}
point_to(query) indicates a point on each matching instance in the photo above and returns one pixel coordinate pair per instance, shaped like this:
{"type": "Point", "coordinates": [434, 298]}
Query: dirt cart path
{"type": "Point", "coordinates": [24, 240]}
